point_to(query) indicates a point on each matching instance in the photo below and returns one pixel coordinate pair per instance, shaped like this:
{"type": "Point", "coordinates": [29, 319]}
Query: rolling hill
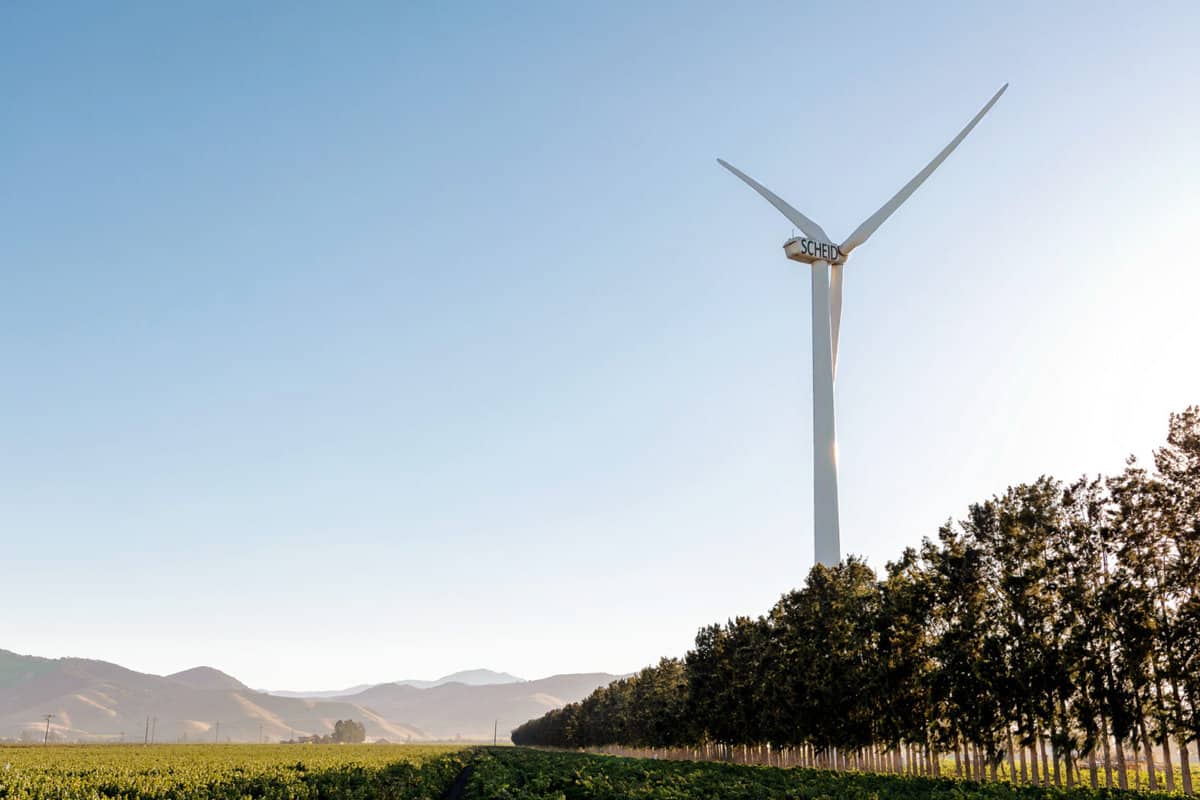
{"type": "Point", "coordinates": [453, 710]}
{"type": "Point", "coordinates": [100, 701]}
{"type": "Point", "coordinates": [471, 677]}
{"type": "Point", "coordinates": [96, 700]}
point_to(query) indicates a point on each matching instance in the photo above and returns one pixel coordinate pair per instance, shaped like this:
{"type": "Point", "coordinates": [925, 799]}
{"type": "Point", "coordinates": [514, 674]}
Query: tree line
{"type": "Point", "coordinates": [345, 731]}
{"type": "Point", "coordinates": [1054, 629]}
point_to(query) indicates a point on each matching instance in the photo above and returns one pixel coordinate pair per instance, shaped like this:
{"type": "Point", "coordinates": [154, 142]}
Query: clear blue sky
{"type": "Point", "coordinates": [353, 342]}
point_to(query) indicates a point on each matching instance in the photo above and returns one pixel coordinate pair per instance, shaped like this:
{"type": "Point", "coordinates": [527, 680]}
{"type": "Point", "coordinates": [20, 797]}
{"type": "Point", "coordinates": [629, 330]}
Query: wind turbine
{"type": "Point", "coordinates": [827, 260]}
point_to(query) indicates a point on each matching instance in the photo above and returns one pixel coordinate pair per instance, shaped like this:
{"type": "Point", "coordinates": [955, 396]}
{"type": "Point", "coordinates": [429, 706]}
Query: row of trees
{"type": "Point", "coordinates": [1059, 620]}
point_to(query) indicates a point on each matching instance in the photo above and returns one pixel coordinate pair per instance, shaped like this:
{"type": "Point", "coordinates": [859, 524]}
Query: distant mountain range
{"type": "Point", "coordinates": [470, 677]}
{"type": "Point", "coordinates": [99, 701]}
{"type": "Point", "coordinates": [451, 710]}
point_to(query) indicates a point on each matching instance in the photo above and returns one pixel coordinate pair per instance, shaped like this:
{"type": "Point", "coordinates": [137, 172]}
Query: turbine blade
{"type": "Point", "coordinates": [835, 309]}
{"type": "Point", "coordinates": [810, 229]}
{"type": "Point", "coordinates": [864, 231]}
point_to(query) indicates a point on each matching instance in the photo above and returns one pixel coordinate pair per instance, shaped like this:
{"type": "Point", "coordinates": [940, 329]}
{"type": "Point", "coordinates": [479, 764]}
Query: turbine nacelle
{"type": "Point", "coordinates": [811, 251]}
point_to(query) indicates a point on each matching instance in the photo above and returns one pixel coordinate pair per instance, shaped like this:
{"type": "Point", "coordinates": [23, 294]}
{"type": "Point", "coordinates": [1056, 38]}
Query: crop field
{"type": "Point", "coordinates": [428, 772]}
{"type": "Point", "coordinates": [520, 774]}
{"type": "Point", "coordinates": [229, 772]}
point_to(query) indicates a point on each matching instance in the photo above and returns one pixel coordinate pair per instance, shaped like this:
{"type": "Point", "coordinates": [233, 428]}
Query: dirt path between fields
{"type": "Point", "coordinates": [456, 790]}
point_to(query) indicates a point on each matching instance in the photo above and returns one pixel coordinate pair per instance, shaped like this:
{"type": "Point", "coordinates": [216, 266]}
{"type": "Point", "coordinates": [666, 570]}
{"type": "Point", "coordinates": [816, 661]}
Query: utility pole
{"type": "Point", "coordinates": [495, 731]}
{"type": "Point", "coordinates": [146, 738]}
{"type": "Point", "coordinates": [260, 734]}
{"type": "Point", "coordinates": [46, 739]}
{"type": "Point", "coordinates": [217, 735]}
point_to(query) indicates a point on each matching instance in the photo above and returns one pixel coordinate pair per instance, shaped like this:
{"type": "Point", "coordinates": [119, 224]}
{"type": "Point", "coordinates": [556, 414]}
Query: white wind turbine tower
{"type": "Point", "coordinates": [827, 260]}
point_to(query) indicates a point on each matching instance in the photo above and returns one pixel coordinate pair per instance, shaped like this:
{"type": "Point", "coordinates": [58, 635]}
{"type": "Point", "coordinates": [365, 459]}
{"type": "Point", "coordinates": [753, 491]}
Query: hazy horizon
{"type": "Point", "coordinates": [343, 344]}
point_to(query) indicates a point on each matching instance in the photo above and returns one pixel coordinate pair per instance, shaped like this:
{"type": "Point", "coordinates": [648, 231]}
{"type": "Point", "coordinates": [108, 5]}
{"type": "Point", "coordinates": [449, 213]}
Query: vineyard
{"type": "Point", "coordinates": [229, 772]}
